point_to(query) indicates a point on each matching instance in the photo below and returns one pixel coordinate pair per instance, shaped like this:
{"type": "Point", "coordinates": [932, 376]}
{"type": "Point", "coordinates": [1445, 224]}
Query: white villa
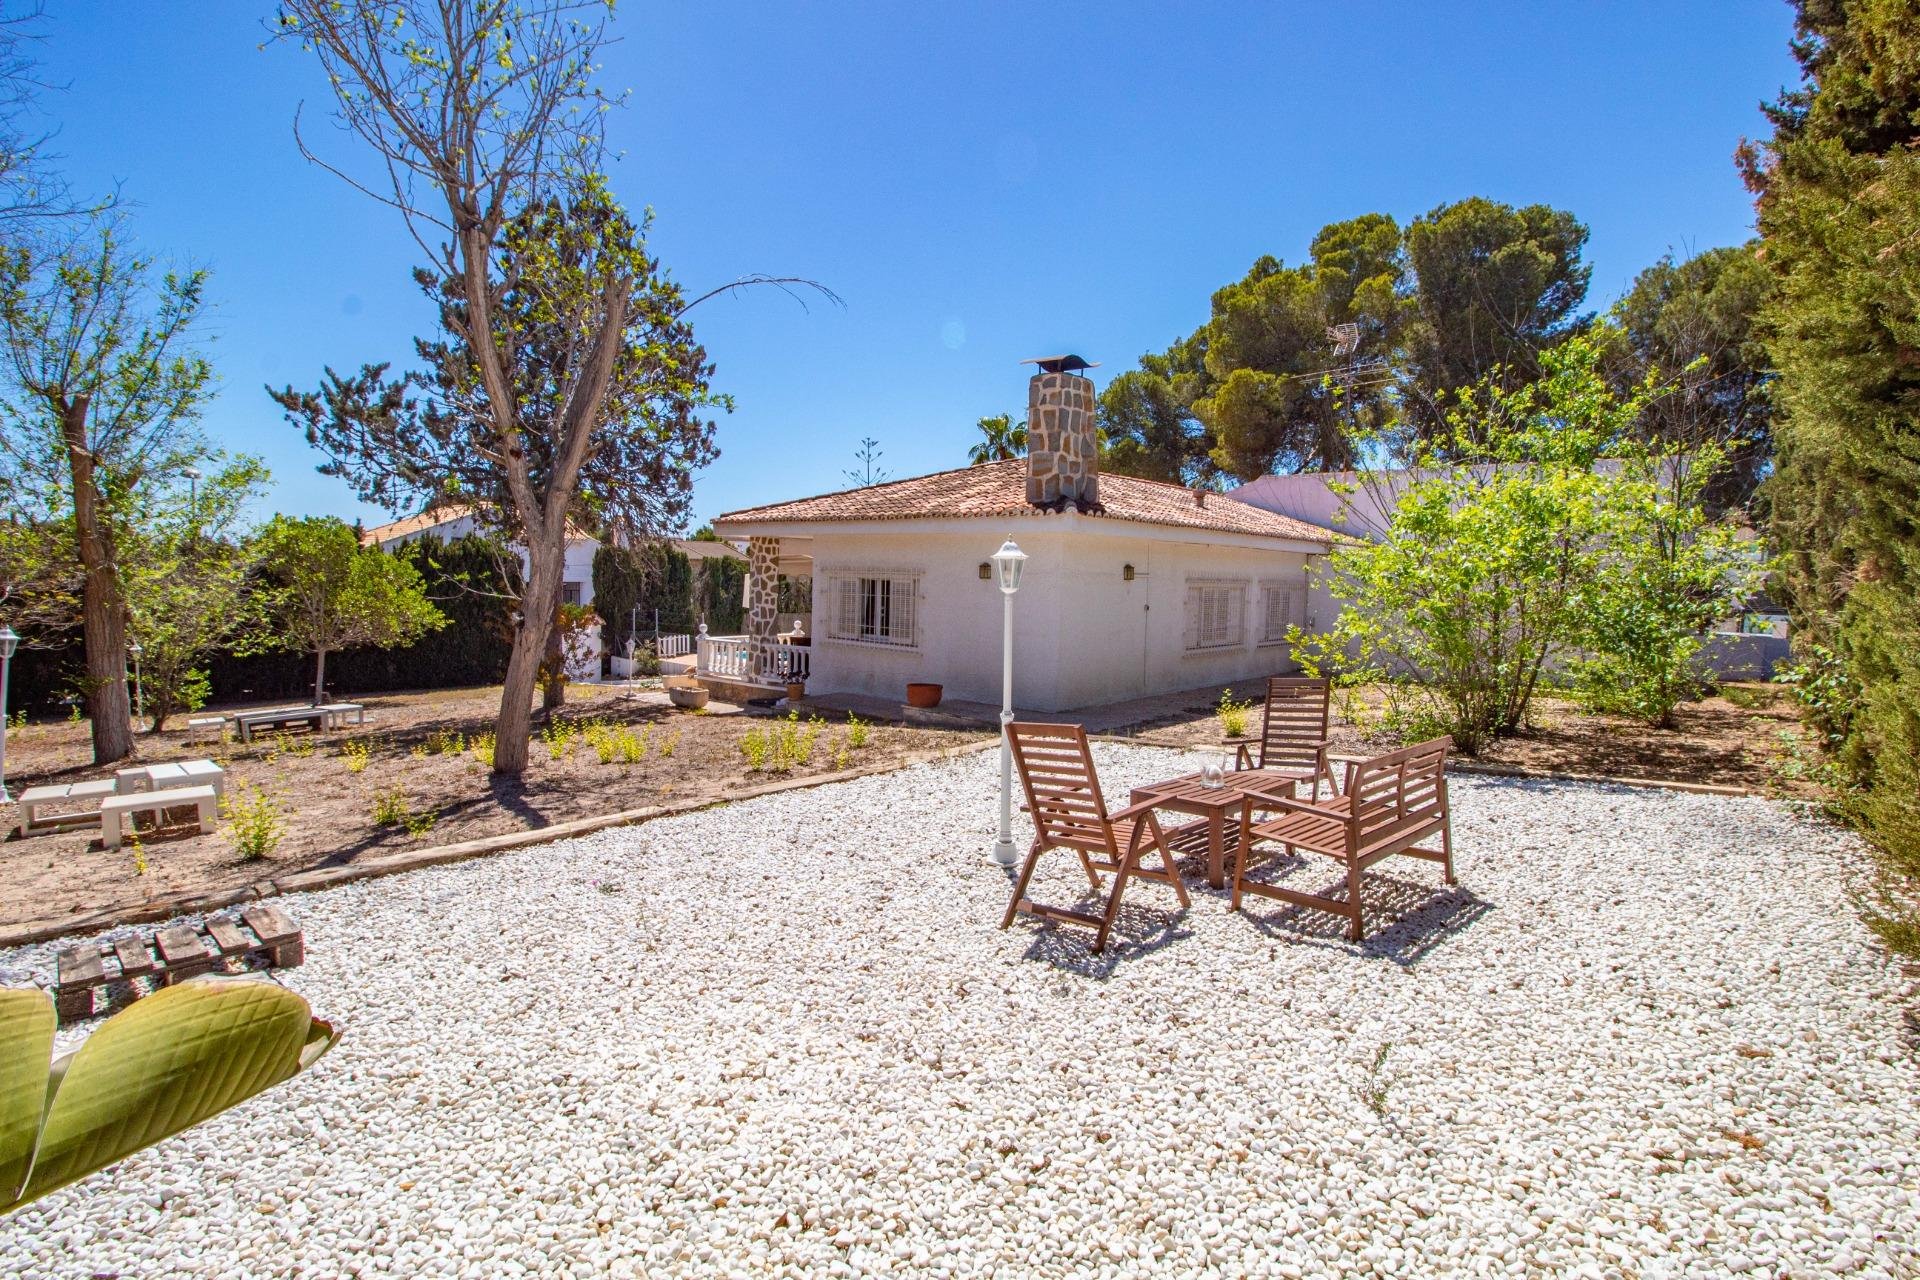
{"type": "Point", "coordinates": [1131, 587]}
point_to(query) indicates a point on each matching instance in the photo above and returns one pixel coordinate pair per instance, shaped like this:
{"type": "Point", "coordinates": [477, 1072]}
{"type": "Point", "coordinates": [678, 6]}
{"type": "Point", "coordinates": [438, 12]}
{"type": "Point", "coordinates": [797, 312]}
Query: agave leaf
{"type": "Point", "coordinates": [157, 1067]}
{"type": "Point", "coordinates": [26, 1043]}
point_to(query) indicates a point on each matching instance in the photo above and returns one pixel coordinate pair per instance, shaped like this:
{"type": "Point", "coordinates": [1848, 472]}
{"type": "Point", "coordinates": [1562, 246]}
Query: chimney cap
{"type": "Point", "coordinates": [1061, 364]}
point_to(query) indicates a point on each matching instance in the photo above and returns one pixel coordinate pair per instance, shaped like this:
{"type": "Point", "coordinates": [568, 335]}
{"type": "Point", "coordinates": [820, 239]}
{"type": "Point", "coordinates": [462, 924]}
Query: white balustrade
{"type": "Point", "coordinates": [724, 657]}
{"type": "Point", "coordinates": [676, 646]}
{"type": "Point", "coordinates": [791, 663]}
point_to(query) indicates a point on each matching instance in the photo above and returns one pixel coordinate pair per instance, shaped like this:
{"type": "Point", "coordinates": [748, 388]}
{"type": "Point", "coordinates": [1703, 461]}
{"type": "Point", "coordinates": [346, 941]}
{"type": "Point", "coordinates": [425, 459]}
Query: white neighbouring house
{"type": "Point", "coordinates": [1132, 587]}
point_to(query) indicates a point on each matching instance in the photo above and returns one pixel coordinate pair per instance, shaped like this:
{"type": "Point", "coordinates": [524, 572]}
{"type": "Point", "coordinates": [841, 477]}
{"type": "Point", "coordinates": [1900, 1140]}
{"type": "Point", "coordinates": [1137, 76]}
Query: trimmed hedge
{"type": "Point", "coordinates": [720, 595]}
{"type": "Point", "coordinates": [654, 576]}
{"type": "Point", "coordinates": [471, 580]}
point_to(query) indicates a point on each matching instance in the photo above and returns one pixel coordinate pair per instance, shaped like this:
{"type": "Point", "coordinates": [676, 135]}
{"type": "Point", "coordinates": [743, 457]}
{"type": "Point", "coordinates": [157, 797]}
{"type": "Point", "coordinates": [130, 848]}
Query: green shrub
{"type": "Point", "coordinates": [757, 747]}
{"type": "Point", "coordinates": [858, 731]}
{"type": "Point", "coordinates": [355, 753]}
{"type": "Point", "coordinates": [253, 823]}
{"type": "Point", "coordinates": [391, 808]}
{"type": "Point", "coordinates": [482, 748]}
{"type": "Point", "coordinates": [1234, 716]}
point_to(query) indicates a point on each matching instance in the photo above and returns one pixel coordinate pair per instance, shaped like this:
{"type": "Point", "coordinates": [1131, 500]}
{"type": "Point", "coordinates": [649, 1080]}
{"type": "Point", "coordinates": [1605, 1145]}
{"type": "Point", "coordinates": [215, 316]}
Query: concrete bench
{"type": "Point", "coordinates": [171, 774]}
{"type": "Point", "coordinates": [197, 725]}
{"type": "Point", "coordinates": [34, 799]}
{"type": "Point", "coordinates": [113, 808]}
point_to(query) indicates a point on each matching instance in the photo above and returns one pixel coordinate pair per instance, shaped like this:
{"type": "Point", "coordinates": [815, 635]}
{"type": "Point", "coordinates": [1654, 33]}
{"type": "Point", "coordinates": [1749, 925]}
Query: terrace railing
{"type": "Point", "coordinates": [723, 657]}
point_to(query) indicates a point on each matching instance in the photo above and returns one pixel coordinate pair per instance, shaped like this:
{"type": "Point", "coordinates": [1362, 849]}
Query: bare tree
{"type": "Point", "coordinates": [477, 110]}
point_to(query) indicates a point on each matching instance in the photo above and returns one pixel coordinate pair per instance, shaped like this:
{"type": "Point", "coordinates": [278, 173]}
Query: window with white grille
{"type": "Point", "coordinates": [873, 609]}
{"type": "Point", "coordinates": [1216, 615]}
{"type": "Point", "coordinates": [1276, 612]}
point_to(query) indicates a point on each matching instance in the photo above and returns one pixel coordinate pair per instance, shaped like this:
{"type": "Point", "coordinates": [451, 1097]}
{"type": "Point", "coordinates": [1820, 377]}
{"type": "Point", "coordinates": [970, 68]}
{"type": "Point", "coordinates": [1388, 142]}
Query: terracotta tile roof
{"type": "Point", "coordinates": [999, 490]}
{"type": "Point", "coordinates": [699, 549]}
{"type": "Point", "coordinates": [407, 526]}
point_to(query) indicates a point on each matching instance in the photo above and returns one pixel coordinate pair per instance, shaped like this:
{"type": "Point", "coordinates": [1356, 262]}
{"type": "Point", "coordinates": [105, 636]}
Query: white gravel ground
{"type": "Point", "coordinates": [1645, 1037]}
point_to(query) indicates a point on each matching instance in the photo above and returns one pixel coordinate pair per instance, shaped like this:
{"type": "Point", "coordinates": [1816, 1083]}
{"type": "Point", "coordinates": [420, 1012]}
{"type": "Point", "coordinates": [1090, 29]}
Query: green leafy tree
{"type": "Point", "coordinates": [1669, 573]}
{"type": "Point", "coordinates": [326, 592]}
{"type": "Point", "coordinates": [1838, 189]}
{"type": "Point", "coordinates": [1146, 417]}
{"type": "Point", "coordinates": [1692, 323]}
{"type": "Point", "coordinates": [102, 394]}
{"type": "Point", "coordinates": [1485, 572]}
{"type": "Point", "coordinates": [1001, 439]}
{"type": "Point", "coordinates": [189, 588]}
{"type": "Point", "coordinates": [1282, 392]}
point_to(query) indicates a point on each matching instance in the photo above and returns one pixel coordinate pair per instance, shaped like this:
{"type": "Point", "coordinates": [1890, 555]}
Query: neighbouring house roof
{"type": "Point", "coordinates": [428, 521]}
{"type": "Point", "coordinates": [698, 549]}
{"type": "Point", "coordinates": [999, 490]}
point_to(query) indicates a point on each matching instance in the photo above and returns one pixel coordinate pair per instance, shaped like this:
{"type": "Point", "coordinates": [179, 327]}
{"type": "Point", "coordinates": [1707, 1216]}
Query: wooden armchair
{"type": "Point", "coordinates": [1391, 803]}
{"type": "Point", "coordinates": [1293, 733]}
{"type": "Point", "coordinates": [1063, 796]}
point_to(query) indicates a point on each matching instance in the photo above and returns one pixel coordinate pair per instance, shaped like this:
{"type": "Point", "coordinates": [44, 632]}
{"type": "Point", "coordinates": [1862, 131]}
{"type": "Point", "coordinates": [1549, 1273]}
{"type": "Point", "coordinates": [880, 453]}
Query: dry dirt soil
{"type": "Point", "coordinates": [328, 809]}
{"type": "Point", "coordinates": [1747, 735]}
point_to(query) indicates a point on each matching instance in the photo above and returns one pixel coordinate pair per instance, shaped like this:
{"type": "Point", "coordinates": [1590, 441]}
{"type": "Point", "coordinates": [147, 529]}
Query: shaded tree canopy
{"type": "Point", "coordinates": [1367, 340]}
{"type": "Point", "coordinates": [1493, 286]}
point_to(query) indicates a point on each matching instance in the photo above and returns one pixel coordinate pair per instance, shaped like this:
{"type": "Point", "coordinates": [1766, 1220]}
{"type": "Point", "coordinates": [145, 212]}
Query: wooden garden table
{"type": "Point", "coordinates": [1188, 794]}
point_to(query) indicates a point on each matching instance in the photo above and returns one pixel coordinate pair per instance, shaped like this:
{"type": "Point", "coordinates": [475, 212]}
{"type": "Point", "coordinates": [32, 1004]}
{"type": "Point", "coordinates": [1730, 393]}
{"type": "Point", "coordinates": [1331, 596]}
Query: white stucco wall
{"type": "Point", "coordinates": [1083, 634]}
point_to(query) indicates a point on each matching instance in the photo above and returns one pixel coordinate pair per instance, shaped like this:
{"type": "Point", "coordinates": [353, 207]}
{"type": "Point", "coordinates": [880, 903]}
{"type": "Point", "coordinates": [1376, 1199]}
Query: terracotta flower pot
{"type": "Point", "coordinates": [923, 695]}
{"type": "Point", "coordinates": [796, 690]}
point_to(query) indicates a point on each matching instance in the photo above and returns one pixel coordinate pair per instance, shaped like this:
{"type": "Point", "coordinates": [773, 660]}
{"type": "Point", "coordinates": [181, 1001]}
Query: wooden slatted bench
{"type": "Point", "coordinates": [131, 966]}
{"type": "Point", "coordinates": [1389, 804]}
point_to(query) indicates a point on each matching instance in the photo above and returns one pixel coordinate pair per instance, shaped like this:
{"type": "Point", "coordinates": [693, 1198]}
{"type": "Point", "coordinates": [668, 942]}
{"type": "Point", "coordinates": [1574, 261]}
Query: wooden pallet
{"type": "Point", "coordinates": [130, 967]}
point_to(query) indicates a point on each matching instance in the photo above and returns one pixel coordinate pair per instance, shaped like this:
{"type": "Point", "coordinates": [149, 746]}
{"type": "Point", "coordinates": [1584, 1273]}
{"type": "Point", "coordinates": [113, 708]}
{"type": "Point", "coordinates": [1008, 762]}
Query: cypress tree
{"type": "Point", "coordinates": [1838, 196]}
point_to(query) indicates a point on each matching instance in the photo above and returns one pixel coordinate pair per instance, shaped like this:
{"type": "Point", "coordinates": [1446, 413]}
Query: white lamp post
{"type": "Point", "coordinates": [1007, 563]}
{"type": "Point", "coordinates": [139, 694]}
{"type": "Point", "coordinates": [8, 643]}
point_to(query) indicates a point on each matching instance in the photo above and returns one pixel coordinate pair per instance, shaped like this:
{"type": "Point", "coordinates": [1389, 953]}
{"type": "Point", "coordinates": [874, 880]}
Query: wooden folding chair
{"type": "Point", "coordinates": [1391, 803]}
{"type": "Point", "coordinates": [1063, 796]}
{"type": "Point", "coordinates": [1293, 733]}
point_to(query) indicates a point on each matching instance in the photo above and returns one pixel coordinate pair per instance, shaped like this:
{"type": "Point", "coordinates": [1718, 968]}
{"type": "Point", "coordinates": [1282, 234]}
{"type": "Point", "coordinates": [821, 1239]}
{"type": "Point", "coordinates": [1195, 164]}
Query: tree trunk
{"type": "Point", "coordinates": [103, 612]}
{"type": "Point", "coordinates": [553, 672]}
{"type": "Point", "coordinates": [538, 603]}
{"type": "Point", "coordinates": [319, 676]}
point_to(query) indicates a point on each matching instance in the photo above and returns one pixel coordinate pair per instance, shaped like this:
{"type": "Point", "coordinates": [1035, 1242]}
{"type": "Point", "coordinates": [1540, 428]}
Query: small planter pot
{"type": "Point", "coordinates": [796, 690]}
{"type": "Point", "coordinates": [923, 695]}
{"type": "Point", "coordinates": [689, 697]}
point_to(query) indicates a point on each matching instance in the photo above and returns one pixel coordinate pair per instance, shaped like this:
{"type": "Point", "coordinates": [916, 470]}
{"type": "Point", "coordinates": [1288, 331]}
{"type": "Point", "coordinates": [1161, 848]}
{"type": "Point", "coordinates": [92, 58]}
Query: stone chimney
{"type": "Point", "coordinates": [1063, 453]}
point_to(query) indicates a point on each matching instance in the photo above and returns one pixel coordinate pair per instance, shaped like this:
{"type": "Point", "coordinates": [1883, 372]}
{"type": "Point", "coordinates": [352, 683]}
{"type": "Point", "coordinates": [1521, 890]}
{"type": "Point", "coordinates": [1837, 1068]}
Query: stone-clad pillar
{"type": "Point", "coordinates": [763, 605]}
{"type": "Point", "coordinates": [1063, 451]}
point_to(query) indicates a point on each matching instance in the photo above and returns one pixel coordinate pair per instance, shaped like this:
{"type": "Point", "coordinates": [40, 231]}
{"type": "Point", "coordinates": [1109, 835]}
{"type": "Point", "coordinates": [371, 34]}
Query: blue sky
{"type": "Point", "coordinates": [979, 182]}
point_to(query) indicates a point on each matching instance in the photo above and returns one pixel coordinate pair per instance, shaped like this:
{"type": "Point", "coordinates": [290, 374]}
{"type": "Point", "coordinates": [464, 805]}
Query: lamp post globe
{"type": "Point", "coordinates": [1008, 563]}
